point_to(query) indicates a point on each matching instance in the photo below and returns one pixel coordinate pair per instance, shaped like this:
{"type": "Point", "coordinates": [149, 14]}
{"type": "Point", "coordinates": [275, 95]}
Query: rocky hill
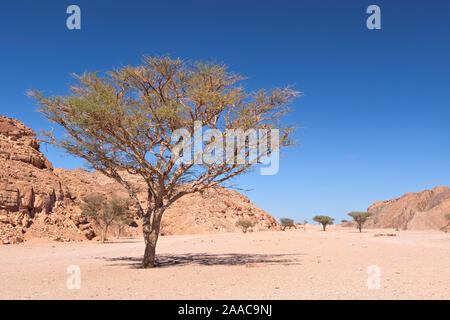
{"type": "Point", "coordinates": [413, 211]}
{"type": "Point", "coordinates": [38, 201]}
{"type": "Point", "coordinates": [216, 210]}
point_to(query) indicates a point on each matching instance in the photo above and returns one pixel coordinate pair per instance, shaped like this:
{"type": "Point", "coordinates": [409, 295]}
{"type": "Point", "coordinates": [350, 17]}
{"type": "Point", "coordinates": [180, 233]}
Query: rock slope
{"type": "Point", "coordinates": [216, 210]}
{"type": "Point", "coordinates": [413, 211]}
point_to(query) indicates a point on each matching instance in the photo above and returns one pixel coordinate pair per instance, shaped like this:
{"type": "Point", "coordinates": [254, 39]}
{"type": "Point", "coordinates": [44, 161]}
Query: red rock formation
{"type": "Point", "coordinates": [413, 211]}
{"type": "Point", "coordinates": [33, 201]}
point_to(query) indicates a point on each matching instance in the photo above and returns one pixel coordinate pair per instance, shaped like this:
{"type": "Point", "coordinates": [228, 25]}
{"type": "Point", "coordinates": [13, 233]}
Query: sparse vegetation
{"type": "Point", "coordinates": [245, 224]}
{"type": "Point", "coordinates": [286, 222]}
{"type": "Point", "coordinates": [344, 221]}
{"type": "Point", "coordinates": [324, 221]}
{"type": "Point", "coordinates": [121, 222]}
{"type": "Point", "coordinates": [385, 235]}
{"type": "Point", "coordinates": [105, 213]}
{"type": "Point", "coordinates": [123, 122]}
{"type": "Point", "coordinates": [447, 216]}
{"type": "Point", "coordinates": [360, 218]}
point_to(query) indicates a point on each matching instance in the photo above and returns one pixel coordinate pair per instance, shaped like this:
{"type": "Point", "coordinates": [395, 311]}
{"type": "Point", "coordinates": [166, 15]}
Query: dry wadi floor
{"type": "Point", "coordinates": [293, 264]}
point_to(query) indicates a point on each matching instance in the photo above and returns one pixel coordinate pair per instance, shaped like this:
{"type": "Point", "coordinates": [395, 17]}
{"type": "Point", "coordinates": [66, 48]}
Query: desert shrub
{"type": "Point", "coordinates": [123, 215]}
{"type": "Point", "coordinates": [245, 224]}
{"type": "Point", "coordinates": [105, 213]}
{"type": "Point", "coordinates": [324, 221]}
{"type": "Point", "coordinates": [360, 218]}
{"type": "Point", "coordinates": [447, 216]}
{"type": "Point", "coordinates": [286, 222]}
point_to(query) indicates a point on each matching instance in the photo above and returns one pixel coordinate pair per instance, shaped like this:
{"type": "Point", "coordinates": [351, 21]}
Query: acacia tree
{"type": "Point", "coordinates": [360, 218]}
{"type": "Point", "coordinates": [245, 224]}
{"type": "Point", "coordinates": [124, 217]}
{"type": "Point", "coordinates": [122, 123]}
{"type": "Point", "coordinates": [105, 213]}
{"type": "Point", "coordinates": [286, 222]}
{"type": "Point", "coordinates": [324, 221]}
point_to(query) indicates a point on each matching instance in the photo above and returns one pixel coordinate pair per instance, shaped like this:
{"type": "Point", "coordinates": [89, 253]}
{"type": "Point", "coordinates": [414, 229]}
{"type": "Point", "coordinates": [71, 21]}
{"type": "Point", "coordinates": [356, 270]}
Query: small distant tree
{"type": "Point", "coordinates": [105, 213]}
{"type": "Point", "coordinates": [245, 224]}
{"type": "Point", "coordinates": [324, 221]}
{"type": "Point", "coordinates": [121, 224]}
{"type": "Point", "coordinates": [360, 218]}
{"type": "Point", "coordinates": [344, 221]}
{"type": "Point", "coordinates": [91, 206]}
{"type": "Point", "coordinates": [123, 214]}
{"type": "Point", "coordinates": [286, 222]}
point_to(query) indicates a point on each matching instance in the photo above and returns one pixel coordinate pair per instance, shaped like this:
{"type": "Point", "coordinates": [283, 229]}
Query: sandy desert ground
{"type": "Point", "coordinates": [293, 264]}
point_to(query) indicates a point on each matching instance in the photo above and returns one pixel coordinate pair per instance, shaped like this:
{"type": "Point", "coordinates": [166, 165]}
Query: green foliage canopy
{"type": "Point", "coordinates": [360, 218]}
{"type": "Point", "coordinates": [122, 123]}
{"type": "Point", "coordinates": [324, 221]}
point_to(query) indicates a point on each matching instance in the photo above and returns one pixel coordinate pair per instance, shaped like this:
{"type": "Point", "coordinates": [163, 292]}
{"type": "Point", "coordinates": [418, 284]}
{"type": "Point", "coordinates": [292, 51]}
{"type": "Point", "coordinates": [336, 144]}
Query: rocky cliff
{"type": "Point", "coordinates": [413, 211]}
{"type": "Point", "coordinates": [38, 201]}
{"type": "Point", "coordinates": [33, 201]}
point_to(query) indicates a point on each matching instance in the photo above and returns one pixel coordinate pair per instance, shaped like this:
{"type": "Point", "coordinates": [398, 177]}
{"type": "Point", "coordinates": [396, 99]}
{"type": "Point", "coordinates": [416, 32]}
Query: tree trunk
{"type": "Point", "coordinates": [150, 250]}
{"type": "Point", "coordinates": [324, 227]}
{"type": "Point", "coordinates": [150, 230]}
{"type": "Point", "coordinates": [104, 233]}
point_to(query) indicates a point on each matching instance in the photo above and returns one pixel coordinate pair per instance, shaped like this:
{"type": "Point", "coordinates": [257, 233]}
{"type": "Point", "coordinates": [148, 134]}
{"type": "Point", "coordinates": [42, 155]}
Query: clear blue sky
{"type": "Point", "coordinates": [375, 113]}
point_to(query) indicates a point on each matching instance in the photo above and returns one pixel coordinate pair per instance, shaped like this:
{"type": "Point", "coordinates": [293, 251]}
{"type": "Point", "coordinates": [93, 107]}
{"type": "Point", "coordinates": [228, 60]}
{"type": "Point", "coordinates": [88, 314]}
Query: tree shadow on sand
{"type": "Point", "coordinates": [204, 259]}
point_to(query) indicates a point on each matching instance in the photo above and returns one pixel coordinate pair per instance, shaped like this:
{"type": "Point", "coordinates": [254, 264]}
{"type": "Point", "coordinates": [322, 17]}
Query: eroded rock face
{"type": "Point", "coordinates": [33, 201]}
{"type": "Point", "coordinates": [425, 210]}
{"type": "Point", "coordinates": [18, 143]}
